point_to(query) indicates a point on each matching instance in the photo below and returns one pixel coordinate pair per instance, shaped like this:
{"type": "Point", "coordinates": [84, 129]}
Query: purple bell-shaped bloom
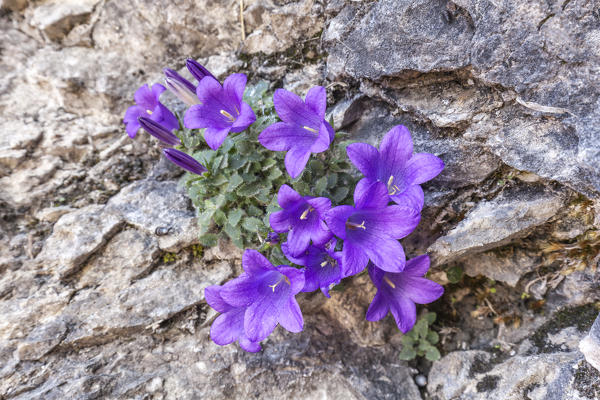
{"type": "Point", "coordinates": [303, 129]}
{"type": "Point", "coordinates": [396, 166]}
{"type": "Point", "coordinates": [158, 131]}
{"type": "Point", "coordinates": [303, 217]}
{"type": "Point", "coordinates": [268, 294]}
{"type": "Point", "coordinates": [147, 105]}
{"type": "Point", "coordinates": [398, 292]}
{"type": "Point", "coordinates": [197, 70]}
{"type": "Point", "coordinates": [184, 161]}
{"type": "Point", "coordinates": [221, 109]}
{"type": "Point", "coordinates": [371, 229]}
{"type": "Point", "coordinates": [183, 89]}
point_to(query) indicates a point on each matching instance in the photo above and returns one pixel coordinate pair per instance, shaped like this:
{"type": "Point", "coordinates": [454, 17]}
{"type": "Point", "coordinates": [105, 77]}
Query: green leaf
{"type": "Point", "coordinates": [234, 216]}
{"type": "Point", "coordinates": [433, 354]}
{"type": "Point", "coordinates": [407, 353]}
{"type": "Point", "coordinates": [252, 224]}
{"type": "Point", "coordinates": [454, 274]}
{"type": "Point", "coordinates": [248, 190]}
{"type": "Point", "coordinates": [320, 185]}
{"type": "Point", "coordinates": [340, 194]}
{"type": "Point", "coordinates": [433, 337]}
{"type": "Point", "coordinates": [274, 173]}
{"type": "Point", "coordinates": [407, 340]}
{"type": "Point", "coordinates": [430, 317]}
{"type": "Point", "coordinates": [209, 240]}
{"type": "Point", "coordinates": [332, 180]}
{"type": "Point", "coordinates": [235, 234]}
{"type": "Point", "coordinates": [219, 218]}
{"type": "Point", "coordinates": [421, 328]}
{"type": "Point", "coordinates": [268, 163]}
{"type": "Point", "coordinates": [234, 182]}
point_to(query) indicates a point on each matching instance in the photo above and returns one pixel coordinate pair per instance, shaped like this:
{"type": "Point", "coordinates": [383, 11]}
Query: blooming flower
{"type": "Point", "coordinates": [323, 266]}
{"type": "Point", "coordinates": [370, 229]}
{"type": "Point", "coordinates": [221, 109]}
{"type": "Point", "coordinates": [184, 161]}
{"type": "Point", "coordinates": [398, 292]}
{"type": "Point", "coordinates": [272, 238]}
{"type": "Point", "coordinates": [267, 293]}
{"type": "Point", "coordinates": [197, 70]}
{"type": "Point", "coordinates": [147, 105]}
{"type": "Point", "coordinates": [396, 166]}
{"type": "Point", "coordinates": [183, 89]}
{"type": "Point", "coordinates": [229, 326]}
{"type": "Point", "coordinates": [303, 130]}
{"type": "Point", "coordinates": [159, 131]}
{"type": "Point", "coordinates": [302, 217]}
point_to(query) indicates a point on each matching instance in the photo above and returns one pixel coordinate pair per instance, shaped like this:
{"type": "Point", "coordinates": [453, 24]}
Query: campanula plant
{"type": "Point", "coordinates": [268, 171]}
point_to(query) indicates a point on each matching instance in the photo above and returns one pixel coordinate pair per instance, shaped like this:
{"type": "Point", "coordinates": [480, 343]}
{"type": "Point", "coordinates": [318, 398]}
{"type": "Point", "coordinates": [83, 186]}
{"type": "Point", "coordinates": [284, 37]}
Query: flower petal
{"type": "Point", "coordinates": [322, 141]}
{"type": "Point", "coordinates": [295, 276]}
{"type": "Point", "coordinates": [234, 86]}
{"type": "Point", "coordinates": [320, 204]}
{"type": "Point", "coordinates": [395, 149]}
{"type": "Point", "coordinates": [255, 263]}
{"type": "Point", "coordinates": [165, 117]}
{"type": "Point", "coordinates": [336, 219]}
{"type": "Point", "coordinates": [249, 346]}
{"type": "Point", "coordinates": [422, 290]}
{"type": "Point", "coordinates": [282, 136]}
{"type": "Point", "coordinates": [378, 308]}
{"type": "Point", "coordinates": [386, 254]}
{"type": "Point", "coordinates": [240, 292]}
{"type": "Point", "coordinates": [145, 98]}
{"type": "Point", "coordinates": [364, 157]}
{"type": "Point", "coordinates": [295, 160]}
{"type": "Point", "coordinates": [423, 167]}
{"type": "Point", "coordinates": [288, 197]}
{"type": "Point", "coordinates": [291, 109]}
{"type": "Point", "coordinates": [370, 195]}
{"type": "Point", "coordinates": [260, 319]}
{"type": "Point", "coordinates": [245, 119]}
{"type": "Point", "coordinates": [376, 274]}
{"type": "Point", "coordinates": [417, 266]}
{"type": "Point", "coordinates": [290, 317]}
{"type": "Point", "coordinates": [157, 90]}
{"type": "Point", "coordinates": [404, 312]}
{"type": "Point", "coordinates": [412, 197]}
{"type": "Point", "coordinates": [215, 137]}
{"type": "Point", "coordinates": [298, 239]}
{"type": "Point", "coordinates": [316, 100]}
{"type": "Point", "coordinates": [280, 221]}
{"type": "Point", "coordinates": [354, 259]}
{"type": "Point", "coordinates": [213, 298]}
{"type": "Point", "coordinates": [227, 327]}
{"type": "Point", "coordinates": [393, 221]}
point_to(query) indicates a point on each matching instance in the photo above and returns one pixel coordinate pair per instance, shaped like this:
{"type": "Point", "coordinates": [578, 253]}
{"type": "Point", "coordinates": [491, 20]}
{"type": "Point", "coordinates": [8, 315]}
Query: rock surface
{"type": "Point", "coordinates": [101, 280]}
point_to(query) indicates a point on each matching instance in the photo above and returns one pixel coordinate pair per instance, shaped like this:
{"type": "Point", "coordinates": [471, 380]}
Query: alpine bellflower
{"type": "Point", "coordinates": [371, 229]}
{"type": "Point", "coordinates": [323, 266]}
{"type": "Point", "coordinates": [184, 161]}
{"type": "Point", "coordinates": [229, 326]}
{"type": "Point", "coordinates": [197, 70]}
{"type": "Point", "coordinates": [268, 295]}
{"type": "Point", "coordinates": [303, 129]}
{"type": "Point", "coordinates": [398, 292]}
{"type": "Point", "coordinates": [221, 109]}
{"type": "Point", "coordinates": [183, 89]}
{"type": "Point", "coordinates": [396, 166]}
{"type": "Point", "coordinates": [158, 131]}
{"type": "Point", "coordinates": [302, 216]}
{"type": "Point", "coordinates": [148, 105]}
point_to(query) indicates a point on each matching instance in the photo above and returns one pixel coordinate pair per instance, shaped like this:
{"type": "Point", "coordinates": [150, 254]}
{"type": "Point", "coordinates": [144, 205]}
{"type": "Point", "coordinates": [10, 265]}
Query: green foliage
{"type": "Point", "coordinates": [421, 340]}
{"type": "Point", "coordinates": [455, 274]}
{"type": "Point", "coordinates": [235, 197]}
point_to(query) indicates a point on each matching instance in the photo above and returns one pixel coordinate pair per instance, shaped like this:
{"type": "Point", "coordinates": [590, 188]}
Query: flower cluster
{"type": "Point", "coordinates": [323, 242]}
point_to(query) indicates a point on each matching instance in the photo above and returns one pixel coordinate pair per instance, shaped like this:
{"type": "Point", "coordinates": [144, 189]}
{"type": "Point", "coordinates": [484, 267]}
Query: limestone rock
{"type": "Point", "coordinates": [57, 18]}
{"type": "Point", "coordinates": [590, 345]}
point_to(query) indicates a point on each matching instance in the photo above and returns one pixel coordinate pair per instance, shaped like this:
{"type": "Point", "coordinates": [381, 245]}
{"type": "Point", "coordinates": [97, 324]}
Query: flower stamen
{"type": "Point", "coordinates": [149, 112]}
{"type": "Point", "coordinates": [308, 128]}
{"type": "Point", "coordinates": [306, 212]}
{"type": "Point", "coordinates": [227, 115]}
{"type": "Point", "coordinates": [352, 225]}
{"type": "Point", "coordinates": [387, 280]}
{"type": "Point", "coordinates": [284, 278]}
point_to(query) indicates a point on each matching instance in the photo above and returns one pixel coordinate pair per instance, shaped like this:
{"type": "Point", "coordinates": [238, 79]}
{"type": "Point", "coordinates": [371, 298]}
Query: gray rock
{"type": "Point", "coordinates": [507, 265]}
{"type": "Point", "coordinates": [57, 18]}
{"type": "Point", "coordinates": [590, 345]}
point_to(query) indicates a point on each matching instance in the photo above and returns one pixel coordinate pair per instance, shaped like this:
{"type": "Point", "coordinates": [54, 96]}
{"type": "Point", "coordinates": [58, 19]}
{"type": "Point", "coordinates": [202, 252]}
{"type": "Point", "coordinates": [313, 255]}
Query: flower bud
{"type": "Point", "coordinates": [197, 70]}
{"type": "Point", "coordinates": [159, 131]}
{"type": "Point", "coordinates": [184, 161]}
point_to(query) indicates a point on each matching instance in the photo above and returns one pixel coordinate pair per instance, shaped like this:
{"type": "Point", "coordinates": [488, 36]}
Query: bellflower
{"type": "Point", "coordinates": [197, 70]}
{"type": "Point", "coordinates": [158, 131]}
{"type": "Point", "coordinates": [323, 266]}
{"type": "Point", "coordinates": [267, 293]}
{"type": "Point", "coordinates": [396, 166]}
{"type": "Point", "coordinates": [147, 105]}
{"type": "Point", "coordinates": [184, 161]}
{"type": "Point", "coordinates": [303, 129]}
{"type": "Point", "coordinates": [221, 109]}
{"type": "Point", "coordinates": [183, 89]}
{"type": "Point", "coordinates": [229, 326]}
{"type": "Point", "coordinates": [371, 228]}
{"type": "Point", "coordinates": [398, 292]}
{"type": "Point", "coordinates": [302, 217]}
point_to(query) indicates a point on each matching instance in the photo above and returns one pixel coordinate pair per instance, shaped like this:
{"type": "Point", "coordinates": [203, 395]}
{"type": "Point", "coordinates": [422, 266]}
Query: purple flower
{"type": "Point", "coordinates": [396, 166]}
{"type": "Point", "coordinates": [398, 292]}
{"type": "Point", "coordinates": [267, 293]}
{"type": "Point", "coordinates": [147, 105]}
{"type": "Point", "coordinates": [183, 89]}
{"type": "Point", "coordinates": [303, 130]}
{"type": "Point", "coordinates": [370, 229]}
{"type": "Point", "coordinates": [159, 131]}
{"type": "Point", "coordinates": [272, 238]}
{"type": "Point", "coordinates": [221, 110]}
{"type": "Point", "coordinates": [184, 161]}
{"type": "Point", "coordinates": [197, 70]}
{"type": "Point", "coordinates": [229, 326]}
{"type": "Point", "coordinates": [323, 266]}
{"type": "Point", "coordinates": [302, 217]}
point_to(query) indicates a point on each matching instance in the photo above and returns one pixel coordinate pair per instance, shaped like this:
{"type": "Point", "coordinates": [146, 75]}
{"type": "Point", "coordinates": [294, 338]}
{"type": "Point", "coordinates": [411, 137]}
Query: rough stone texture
{"type": "Point", "coordinates": [590, 345]}
{"type": "Point", "coordinates": [95, 304]}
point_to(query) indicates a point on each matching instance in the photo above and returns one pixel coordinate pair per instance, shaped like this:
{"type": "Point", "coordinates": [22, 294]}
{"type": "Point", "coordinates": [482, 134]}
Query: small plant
{"type": "Point", "coordinates": [421, 340]}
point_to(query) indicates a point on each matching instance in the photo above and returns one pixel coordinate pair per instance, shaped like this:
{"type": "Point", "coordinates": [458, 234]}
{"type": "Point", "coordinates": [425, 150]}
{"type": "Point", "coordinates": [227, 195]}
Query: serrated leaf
{"type": "Point", "coordinates": [234, 181]}
{"type": "Point", "coordinates": [420, 328]}
{"type": "Point", "coordinates": [320, 185]}
{"type": "Point", "coordinates": [234, 216]}
{"type": "Point", "coordinates": [433, 354]}
{"type": "Point", "coordinates": [407, 353]}
{"type": "Point", "coordinates": [247, 190]}
{"type": "Point", "coordinates": [340, 194]}
{"type": "Point", "coordinates": [252, 224]}
{"type": "Point", "coordinates": [209, 240]}
{"type": "Point", "coordinates": [407, 340]}
{"type": "Point", "coordinates": [219, 218]}
{"type": "Point", "coordinates": [430, 317]}
{"type": "Point", "coordinates": [254, 211]}
{"type": "Point", "coordinates": [268, 163]}
{"type": "Point", "coordinates": [302, 188]}
{"type": "Point", "coordinates": [219, 180]}
{"type": "Point", "coordinates": [235, 234]}
{"type": "Point", "coordinates": [274, 173]}
{"type": "Point", "coordinates": [332, 180]}
{"type": "Point", "coordinates": [433, 337]}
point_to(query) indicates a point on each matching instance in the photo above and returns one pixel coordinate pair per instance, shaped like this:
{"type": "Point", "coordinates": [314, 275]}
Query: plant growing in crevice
{"type": "Point", "coordinates": [420, 341]}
